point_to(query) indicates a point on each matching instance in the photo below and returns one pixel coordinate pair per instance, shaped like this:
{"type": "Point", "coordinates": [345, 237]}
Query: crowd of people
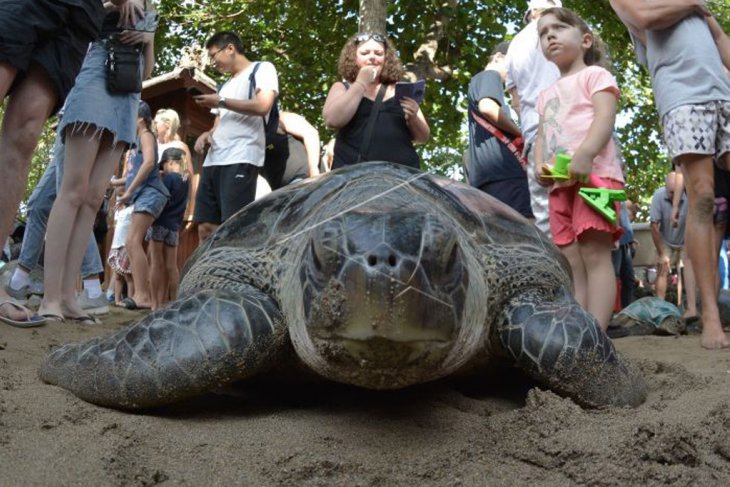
{"type": "Point", "coordinates": [566, 100]}
{"type": "Point", "coordinates": [554, 72]}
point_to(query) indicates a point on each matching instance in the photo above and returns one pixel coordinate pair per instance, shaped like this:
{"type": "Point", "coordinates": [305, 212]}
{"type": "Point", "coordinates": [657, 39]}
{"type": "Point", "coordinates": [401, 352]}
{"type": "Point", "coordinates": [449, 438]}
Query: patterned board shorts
{"type": "Point", "coordinates": [158, 233]}
{"type": "Point", "coordinates": [698, 129]}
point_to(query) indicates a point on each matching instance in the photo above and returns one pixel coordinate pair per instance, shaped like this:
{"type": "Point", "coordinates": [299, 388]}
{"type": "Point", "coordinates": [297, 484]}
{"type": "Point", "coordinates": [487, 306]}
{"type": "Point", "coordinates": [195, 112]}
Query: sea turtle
{"type": "Point", "coordinates": [376, 275]}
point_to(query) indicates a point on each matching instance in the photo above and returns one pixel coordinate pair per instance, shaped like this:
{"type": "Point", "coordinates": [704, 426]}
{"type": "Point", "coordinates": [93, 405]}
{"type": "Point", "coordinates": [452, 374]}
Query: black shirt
{"type": "Point", "coordinates": [286, 160]}
{"type": "Point", "coordinates": [92, 15]}
{"type": "Point", "coordinates": [391, 139]}
{"type": "Point", "coordinates": [174, 211]}
{"type": "Point", "coordinates": [489, 160]}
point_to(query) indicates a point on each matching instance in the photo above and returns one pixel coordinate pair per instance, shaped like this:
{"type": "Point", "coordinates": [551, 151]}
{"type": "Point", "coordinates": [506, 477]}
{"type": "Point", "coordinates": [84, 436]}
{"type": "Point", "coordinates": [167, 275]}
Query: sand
{"type": "Point", "coordinates": [451, 433]}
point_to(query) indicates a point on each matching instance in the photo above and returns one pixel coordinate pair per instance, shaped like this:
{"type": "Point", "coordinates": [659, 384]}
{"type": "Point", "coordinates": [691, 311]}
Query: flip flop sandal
{"type": "Point", "coordinates": [130, 304]}
{"type": "Point", "coordinates": [32, 321]}
{"type": "Point", "coordinates": [53, 318]}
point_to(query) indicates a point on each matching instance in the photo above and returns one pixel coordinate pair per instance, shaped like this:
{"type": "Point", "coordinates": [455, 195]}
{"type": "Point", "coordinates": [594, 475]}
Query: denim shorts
{"type": "Point", "coordinates": [158, 233]}
{"type": "Point", "coordinates": [91, 103]}
{"type": "Point", "coordinates": [150, 200]}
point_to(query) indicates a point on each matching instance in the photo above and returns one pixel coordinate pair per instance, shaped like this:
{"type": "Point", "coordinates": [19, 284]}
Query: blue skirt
{"type": "Point", "coordinates": [91, 103]}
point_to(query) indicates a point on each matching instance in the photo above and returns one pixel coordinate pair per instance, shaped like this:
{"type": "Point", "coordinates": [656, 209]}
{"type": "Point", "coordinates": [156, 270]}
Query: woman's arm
{"type": "Point", "coordinates": [415, 120]}
{"type": "Point", "coordinates": [149, 56]}
{"type": "Point", "coordinates": [656, 14]}
{"type": "Point", "coordinates": [147, 144]}
{"type": "Point", "coordinates": [298, 126]}
{"type": "Point", "coordinates": [341, 104]}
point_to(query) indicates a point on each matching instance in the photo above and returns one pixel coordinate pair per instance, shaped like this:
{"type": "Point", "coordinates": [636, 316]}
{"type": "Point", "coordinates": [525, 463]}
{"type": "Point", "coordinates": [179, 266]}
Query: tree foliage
{"type": "Point", "coordinates": [447, 41]}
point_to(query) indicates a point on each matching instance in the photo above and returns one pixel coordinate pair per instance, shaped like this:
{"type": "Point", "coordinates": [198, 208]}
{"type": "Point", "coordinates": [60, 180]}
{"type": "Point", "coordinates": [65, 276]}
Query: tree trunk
{"type": "Point", "coordinates": [425, 65]}
{"type": "Point", "coordinates": [372, 16]}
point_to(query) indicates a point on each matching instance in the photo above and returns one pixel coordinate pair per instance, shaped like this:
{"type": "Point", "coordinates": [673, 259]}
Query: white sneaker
{"type": "Point", "coordinates": [19, 294]}
{"type": "Point", "coordinates": [96, 306]}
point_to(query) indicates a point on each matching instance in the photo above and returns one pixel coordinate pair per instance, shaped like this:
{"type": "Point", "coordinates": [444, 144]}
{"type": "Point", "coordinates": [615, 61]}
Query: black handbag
{"type": "Point", "coordinates": [123, 66]}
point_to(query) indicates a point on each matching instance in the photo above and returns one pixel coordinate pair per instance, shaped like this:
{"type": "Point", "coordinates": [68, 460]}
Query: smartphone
{"type": "Point", "coordinates": [194, 91]}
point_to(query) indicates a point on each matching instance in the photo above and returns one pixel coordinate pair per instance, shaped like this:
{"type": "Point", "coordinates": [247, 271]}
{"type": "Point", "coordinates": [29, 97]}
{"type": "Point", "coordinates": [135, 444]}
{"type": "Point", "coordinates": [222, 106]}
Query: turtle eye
{"type": "Point", "coordinates": [326, 250]}
{"type": "Point", "coordinates": [452, 257]}
{"type": "Point", "coordinates": [315, 258]}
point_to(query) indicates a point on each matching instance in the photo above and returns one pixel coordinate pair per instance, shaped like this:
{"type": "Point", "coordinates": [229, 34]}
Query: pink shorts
{"type": "Point", "coordinates": [570, 216]}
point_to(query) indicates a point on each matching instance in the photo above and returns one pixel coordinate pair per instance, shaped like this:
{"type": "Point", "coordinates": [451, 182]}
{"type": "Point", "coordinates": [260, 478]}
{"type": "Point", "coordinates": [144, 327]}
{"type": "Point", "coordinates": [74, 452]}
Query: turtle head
{"type": "Point", "coordinates": [383, 297]}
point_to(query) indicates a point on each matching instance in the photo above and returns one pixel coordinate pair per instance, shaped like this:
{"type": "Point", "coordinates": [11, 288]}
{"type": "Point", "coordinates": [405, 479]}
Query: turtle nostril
{"type": "Point", "coordinates": [372, 260]}
{"type": "Point", "coordinates": [392, 261]}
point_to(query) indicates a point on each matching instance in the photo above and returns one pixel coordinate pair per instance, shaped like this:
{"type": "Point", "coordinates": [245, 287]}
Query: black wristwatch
{"type": "Point", "coordinates": [222, 102]}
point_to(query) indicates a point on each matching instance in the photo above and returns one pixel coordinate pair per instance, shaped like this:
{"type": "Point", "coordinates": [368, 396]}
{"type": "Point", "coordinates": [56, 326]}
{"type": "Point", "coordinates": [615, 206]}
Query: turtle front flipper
{"type": "Point", "coordinates": [205, 340]}
{"type": "Point", "coordinates": [561, 345]}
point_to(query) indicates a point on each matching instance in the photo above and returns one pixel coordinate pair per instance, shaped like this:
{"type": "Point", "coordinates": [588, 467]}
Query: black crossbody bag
{"type": "Point", "coordinates": [123, 66]}
{"type": "Point", "coordinates": [124, 62]}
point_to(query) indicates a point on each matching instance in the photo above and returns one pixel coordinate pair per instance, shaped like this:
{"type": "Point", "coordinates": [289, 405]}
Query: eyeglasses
{"type": "Point", "coordinates": [212, 56]}
{"type": "Point", "coordinates": [366, 36]}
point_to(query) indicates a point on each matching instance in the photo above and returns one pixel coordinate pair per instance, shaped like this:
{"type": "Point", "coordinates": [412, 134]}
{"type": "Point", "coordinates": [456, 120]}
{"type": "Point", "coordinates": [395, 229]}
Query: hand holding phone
{"type": "Point", "coordinates": [194, 91]}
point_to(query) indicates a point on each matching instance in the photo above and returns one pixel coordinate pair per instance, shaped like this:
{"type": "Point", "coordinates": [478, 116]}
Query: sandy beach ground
{"type": "Point", "coordinates": [451, 433]}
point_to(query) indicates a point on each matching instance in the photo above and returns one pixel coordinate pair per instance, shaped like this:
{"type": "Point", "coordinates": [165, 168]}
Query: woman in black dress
{"type": "Point", "coordinates": [368, 64]}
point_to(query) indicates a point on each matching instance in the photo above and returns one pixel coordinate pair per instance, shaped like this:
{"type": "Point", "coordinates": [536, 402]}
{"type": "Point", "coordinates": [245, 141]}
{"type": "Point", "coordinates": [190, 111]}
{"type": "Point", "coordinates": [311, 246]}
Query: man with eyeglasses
{"type": "Point", "coordinates": [237, 141]}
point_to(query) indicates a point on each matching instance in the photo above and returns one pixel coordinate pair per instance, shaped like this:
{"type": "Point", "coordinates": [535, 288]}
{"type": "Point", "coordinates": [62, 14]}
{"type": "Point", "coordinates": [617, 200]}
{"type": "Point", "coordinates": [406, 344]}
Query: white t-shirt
{"type": "Point", "coordinates": [240, 138]}
{"type": "Point", "coordinates": [531, 73]}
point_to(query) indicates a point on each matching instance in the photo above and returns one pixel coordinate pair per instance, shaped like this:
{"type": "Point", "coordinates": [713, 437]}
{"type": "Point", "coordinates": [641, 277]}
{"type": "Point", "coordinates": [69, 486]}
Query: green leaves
{"type": "Point", "coordinates": [303, 39]}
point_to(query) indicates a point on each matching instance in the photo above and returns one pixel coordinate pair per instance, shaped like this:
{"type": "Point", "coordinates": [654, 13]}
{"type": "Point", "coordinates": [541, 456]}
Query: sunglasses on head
{"type": "Point", "coordinates": [366, 36]}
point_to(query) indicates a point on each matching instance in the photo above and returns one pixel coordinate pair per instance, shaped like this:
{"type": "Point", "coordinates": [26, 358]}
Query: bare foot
{"type": "Point", "coordinates": [71, 309]}
{"type": "Point", "coordinates": [14, 312]}
{"type": "Point", "coordinates": [714, 339]}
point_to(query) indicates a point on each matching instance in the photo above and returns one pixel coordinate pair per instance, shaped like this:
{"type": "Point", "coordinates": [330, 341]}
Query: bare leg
{"type": "Point", "coordinates": [91, 159]}
{"type": "Point", "coordinates": [595, 249]}
{"type": "Point", "coordinates": [7, 76]}
{"type": "Point", "coordinates": [118, 287]}
{"type": "Point", "coordinates": [690, 288]}
{"type": "Point", "coordinates": [719, 237]}
{"type": "Point", "coordinates": [129, 280]}
{"type": "Point", "coordinates": [173, 273]}
{"type": "Point", "coordinates": [580, 280]}
{"type": "Point", "coordinates": [158, 279]}
{"type": "Point", "coordinates": [26, 112]}
{"type": "Point", "coordinates": [700, 244]}
{"type": "Point", "coordinates": [660, 285]}
{"type": "Point", "coordinates": [205, 230]}
{"type": "Point", "coordinates": [138, 259]}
